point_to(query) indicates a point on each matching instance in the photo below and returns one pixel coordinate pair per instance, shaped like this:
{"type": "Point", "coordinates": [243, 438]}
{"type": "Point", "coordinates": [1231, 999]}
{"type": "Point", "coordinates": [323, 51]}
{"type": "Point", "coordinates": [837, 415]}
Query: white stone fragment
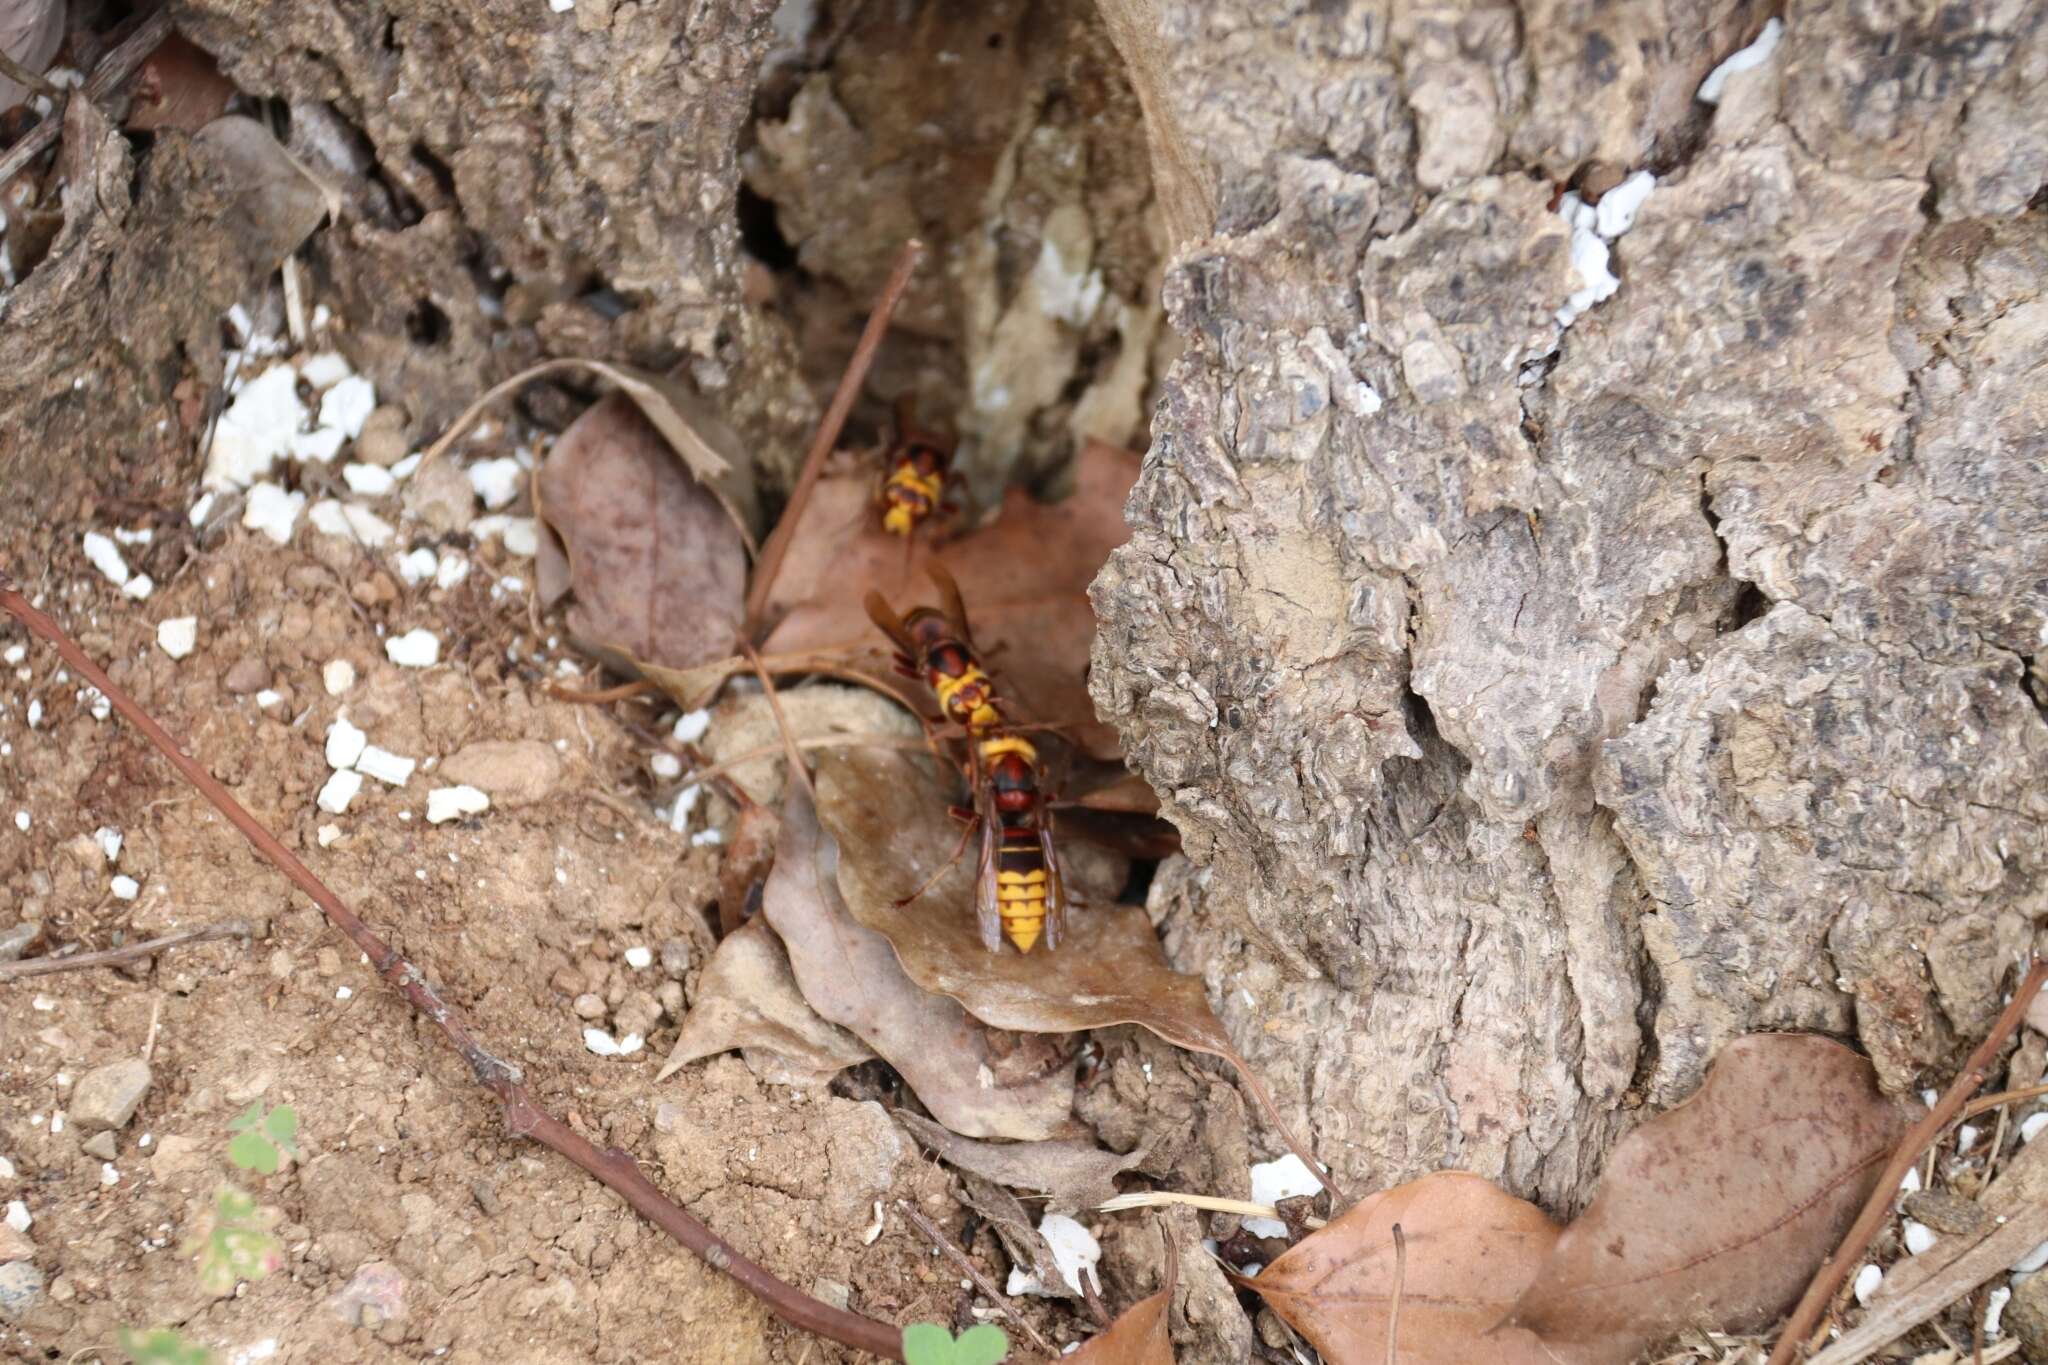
{"type": "Point", "coordinates": [561, 6]}
{"type": "Point", "coordinates": [327, 834]}
{"type": "Point", "coordinates": [15, 654]}
{"type": "Point", "coordinates": [325, 370]}
{"type": "Point", "coordinates": [348, 405]}
{"type": "Point", "coordinates": [255, 430]}
{"type": "Point", "coordinates": [319, 445]}
{"type": "Point", "coordinates": [18, 1215]}
{"type": "Point", "coordinates": [125, 888]}
{"type": "Point", "coordinates": [22, 821]}
{"type": "Point", "coordinates": [1747, 59]}
{"type": "Point", "coordinates": [1994, 1310]}
{"type": "Point", "coordinates": [690, 726]}
{"type": "Point", "coordinates": [7, 1172]}
{"type": "Point", "coordinates": [1909, 1183]}
{"type": "Point", "coordinates": [269, 697]}
{"type": "Point", "coordinates": [452, 803]}
{"type": "Point", "coordinates": [238, 318]}
{"type": "Point", "coordinates": [109, 1174]}
{"type": "Point", "coordinates": [666, 765]}
{"type": "Point", "coordinates": [35, 708]}
{"type": "Point", "coordinates": [139, 587]}
{"type": "Point", "coordinates": [417, 566]}
{"type": "Point", "coordinates": [1966, 1138]}
{"type": "Point", "coordinates": [454, 568]}
{"type": "Point", "coordinates": [686, 801]}
{"type": "Point", "coordinates": [1074, 1250]}
{"type": "Point", "coordinates": [341, 789]}
{"type": "Point", "coordinates": [631, 1044]}
{"type": "Point", "coordinates": [2032, 1261]}
{"type": "Point", "coordinates": [496, 481]}
{"type": "Point", "coordinates": [273, 511]}
{"type": "Point", "coordinates": [404, 468]}
{"type": "Point", "coordinates": [1919, 1238]}
{"type": "Point", "coordinates": [337, 676]}
{"type": "Point", "coordinates": [202, 509]}
{"type": "Point", "coordinates": [1867, 1281]}
{"type": "Point", "coordinates": [417, 648]}
{"type": "Point", "coordinates": [639, 958]}
{"type": "Point", "coordinates": [106, 557]}
{"type": "Point", "coordinates": [706, 838]}
{"type": "Point", "coordinates": [2031, 1126]}
{"type": "Point", "coordinates": [345, 744]}
{"type": "Point", "coordinates": [600, 1042]}
{"type": "Point", "coordinates": [178, 636]}
{"type": "Point", "coordinates": [371, 481]}
{"type": "Point", "coordinates": [393, 770]}
{"type": "Point", "coordinates": [109, 840]}
{"type": "Point", "coordinates": [1618, 207]}
{"type": "Point", "coordinates": [1273, 1181]}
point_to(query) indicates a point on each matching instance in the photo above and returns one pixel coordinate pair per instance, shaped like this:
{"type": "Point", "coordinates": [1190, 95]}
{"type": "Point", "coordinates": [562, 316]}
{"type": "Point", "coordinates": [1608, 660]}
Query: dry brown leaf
{"type": "Point", "coordinates": [890, 821]}
{"type": "Point", "coordinates": [710, 449]}
{"type": "Point", "coordinates": [1142, 1333]}
{"type": "Point", "coordinates": [748, 999]}
{"type": "Point", "coordinates": [658, 568]}
{"type": "Point", "coordinates": [851, 977]}
{"type": "Point", "coordinates": [278, 201]}
{"type": "Point", "coordinates": [31, 31]}
{"type": "Point", "coordinates": [1718, 1212]}
{"type": "Point", "coordinates": [1018, 1231]}
{"type": "Point", "coordinates": [1074, 1175]}
{"type": "Point", "coordinates": [178, 86]}
{"type": "Point", "coordinates": [1024, 577]}
{"type": "Point", "coordinates": [1471, 1250]}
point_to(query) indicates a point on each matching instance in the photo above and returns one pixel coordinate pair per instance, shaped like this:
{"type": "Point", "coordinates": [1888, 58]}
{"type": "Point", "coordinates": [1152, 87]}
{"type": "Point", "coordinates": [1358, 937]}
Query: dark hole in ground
{"type": "Point", "coordinates": [761, 235]}
{"type": "Point", "coordinates": [427, 325]}
{"type": "Point", "coordinates": [1139, 883]}
{"type": "Point", "coordinates": [1750, 604]}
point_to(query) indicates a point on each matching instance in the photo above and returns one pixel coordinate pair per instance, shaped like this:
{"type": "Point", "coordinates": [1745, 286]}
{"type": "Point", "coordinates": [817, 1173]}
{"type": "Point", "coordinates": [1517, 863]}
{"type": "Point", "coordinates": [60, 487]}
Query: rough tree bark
{"type": "Point", "coordinates": [1548, 709]}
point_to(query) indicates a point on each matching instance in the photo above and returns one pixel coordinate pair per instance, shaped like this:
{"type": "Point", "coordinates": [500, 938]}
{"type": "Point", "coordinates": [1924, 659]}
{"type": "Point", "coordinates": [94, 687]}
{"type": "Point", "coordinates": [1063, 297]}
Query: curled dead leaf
{"type": "Point", "coordinates": [1073, 1175]}
{"type": "Point", "coordinates": [657, 567]}
{"type": "Point", "coordinates": [851, 977]}
{"type": "Point", "coordinates": [1140, 1335]}
{"type": "Point", "coordinates": [747, 998]}
{"type": "Point", "coordinates": [278, 202]}
{"type": "Point", "coordinates": [1718, 1212]}
{"type": "Point", "coordinates": [31, 31]}
{"type": "Point", "coordinates": [1471, 1250]}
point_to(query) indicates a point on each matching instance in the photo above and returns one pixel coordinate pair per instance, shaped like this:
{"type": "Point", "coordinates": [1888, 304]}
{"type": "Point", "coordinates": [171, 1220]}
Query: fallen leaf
{"type": "Point", "coordinates": [1018, 1231]}
{"type": "Point", "coordinates": [1024, 578]}
{"type": "Point", "coordinates": [1471, 1249]}
{"type": "Point", "coordinates": [178, 86]}
{"type": "Point", "coordinates": [658, 568]}
{"type": "Point", "coordinates": [850, 976]}
{"type": "Point", "coordinates": [890, 821]}
{"type": "Point", "coordinates": [709, 448]}
{"type": "Point", "coordinates": [1141, 1334]}
{"type": "Point", "coordinates": [748, 999]}
{"type": "Point", "coordinates": [278, 202]}
{"type": "Point", "coordinates": [1074, 1175]}
{"type": "Point", "coordinates": [1718, 1212]}
{"type": "Point", "coordinates": [31, 31]}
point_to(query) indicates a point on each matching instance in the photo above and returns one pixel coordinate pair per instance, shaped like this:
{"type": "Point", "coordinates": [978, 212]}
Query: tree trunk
{"type": "Point", "coordinates": [1547, 708]}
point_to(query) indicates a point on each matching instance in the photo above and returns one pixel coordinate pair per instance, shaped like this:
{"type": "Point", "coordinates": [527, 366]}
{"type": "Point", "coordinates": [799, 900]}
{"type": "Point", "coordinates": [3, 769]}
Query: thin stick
{"type": "Point", "coordinates": [1213, 1203]}
{"type": "Point", "coordinates": [797, 770]}
{"type": "Point", "coordinates": [156, 1014]}
{"type": "Point", "coordinates": [110, 957]}
{"type": "Point", "coordinates": [971, 1271]}
{"type": "Point", "coordinates": [117, 66]}
{"type": "Point", "coordinates": [827, 435]}
{"type": "Point", "coordinates": [1989, 1102]}
{"type": "Point", "coordinates": [1394, 1309]}
{"type": "Point", "coordinates": [21, 75]}
{"type": "Point", "coordinates": [623, 692]}
{"type": "Point", "coordinates": [614, 1167]}
{"type": "Point", "coordinates": [1806, 1317]}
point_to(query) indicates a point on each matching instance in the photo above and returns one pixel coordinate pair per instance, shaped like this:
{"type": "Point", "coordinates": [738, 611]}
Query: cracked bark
{"type": "Point", "coordinates": [1512, 807]}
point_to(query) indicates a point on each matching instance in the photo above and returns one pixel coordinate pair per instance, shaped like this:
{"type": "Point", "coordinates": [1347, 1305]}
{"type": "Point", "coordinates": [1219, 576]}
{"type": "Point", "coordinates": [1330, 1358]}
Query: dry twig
{"type": "Point", "coordinates": [43, 966]}
{"type": "Point", "coordinates": [523, 1118]}
{"type": "Point", "coordinates": [117, 66]}
{"type": "Point", "coordinates": [1394, 1308]}
{"type": "Point", "coordinates": [1813, 1304]}
{"type": "Point", "coordinates": [973, 1272]}
{"type": "Point", "coordinates": [829, 427]}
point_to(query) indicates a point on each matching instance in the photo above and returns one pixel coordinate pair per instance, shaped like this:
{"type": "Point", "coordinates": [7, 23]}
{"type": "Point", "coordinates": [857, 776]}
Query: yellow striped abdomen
{"type": "Point", "coordinates": [911, 494]}
{"type": "Point", "coordinates": [1020, 899]}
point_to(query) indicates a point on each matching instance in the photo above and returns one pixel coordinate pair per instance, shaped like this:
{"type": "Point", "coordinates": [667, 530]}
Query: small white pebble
{"type": "Point", "coordinates": [561, 6]}
{"type": "Point", "coordinates": [1919, 1238]}
{"type": "Point", "coordinates": [666, 765]}
{"type": "Point", "coordinates": [145, 1140]}
{"type": "Point", "coordinates": [706, 838]}
{"type": "Point", "coordinates": [631, 1044]}
{"type": "Point", "coordinates": [2032, 1261]}
{"type": "Point", "coordinates": [6, 1170]}
{"type": "Point", "coordinates": [57, 1122]}
{"type": "Point", "coordinates": [339, 791]}
{"type": "Point", "coordinates": [522, 537]}
{"type": "Point", "coordinates": [404, 468]}
{"type": "Point", "coordinates": [1994, 1310]}
{"type": "Point", "coordinates": [108, 1174]}
{"type": "Point", "coordinates": [417, 566]}
{"type": "Point", "coordinates": [328, 834]}
{"type": "Point", "coordinates": [389, 768]}
{"type": "Point", "coordinates": [320, 445]}
{"type": "Point", "coordinates": [1616, 212]}
{"type": "Point", "coordinates": [417, 648]}
{"type": "Point", "coordinates": [1910, 1182]}
{"type": "Point", "coordinates": [371, 481]}
{"type": "Point", "coordinates": [454, 568]}
{"type": "Point", "coordinates": [452, 803]}
{"type": "Point", "coordinates": [15, 654]}
{"type": "Point", "coordinates": [1929, 1097]}
{"type": "Point", "coordinates": [109, 840]}
{"type": "Point", "coordinates": [22, 821]}
{"type": "Point", "coordinates": [35, 710]}
{"type": "Point", "coordinates": [496, 481]}
{"type": "Point", "coordinates": [106, 557]}
{"type": "Point", "coordinates": [1752, 56]}
{"type": "Point", "coordinates": [686, 801]}
{"type": "Point", "coordinates": [345, 743]}
{"type": "Point", "coordinates": [125, 888]}
{"type": "Point", "coordinates": [690, 726]}
{"type": "Point", "coordinates": [273, 511]}
{"type": "Point", "coordinates": [337, 676]}
{"type": "Point", "coordinates": [17, 1213]}
{"type": "Point", "coordinates": [639, 958]}
{"type": "Point", "coordinates": [269, 697]}
{"type": "Point", "coordinates": [325, 370]}
{"type": "Point", "coordinates": [2032, 1124]}
{"type": "Point", "coordinates": [178, 636]}
{"type": "Point", "coordinates": [139, 587]}
{"type": "Point", "coordinates": [343, 992]}
{"type": "Point", "coordinates": [348, 405]}
{"type": "Point", "coordinates": [201, 509]}
{"type": "Point", "coordinates": [1966, 1138]}
{"type": "Point", "coordinates": [322, 315]}
{"type": "Point", "coordinates": [600, 1042]}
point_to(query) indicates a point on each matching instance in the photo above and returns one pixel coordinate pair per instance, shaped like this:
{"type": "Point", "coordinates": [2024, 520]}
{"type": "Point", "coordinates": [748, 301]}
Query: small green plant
{"type": "Point", "coordinates": [262, 1140]}
{"type": "Point", "coordinates": [927, 1343]}
{"type": "Point", "coordinates": [233, 1243]}
{"type": "Point", "coordinates": [162, 1346]}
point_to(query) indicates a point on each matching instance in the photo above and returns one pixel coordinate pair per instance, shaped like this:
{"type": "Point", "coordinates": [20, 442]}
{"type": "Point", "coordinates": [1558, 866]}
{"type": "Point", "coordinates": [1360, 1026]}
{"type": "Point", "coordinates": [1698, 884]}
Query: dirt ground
{"type": "Point", "coordinates": [413, 1227]}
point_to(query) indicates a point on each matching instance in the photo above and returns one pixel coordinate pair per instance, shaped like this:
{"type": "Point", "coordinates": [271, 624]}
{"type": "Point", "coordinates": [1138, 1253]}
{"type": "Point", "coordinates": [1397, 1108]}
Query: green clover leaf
{"type": "Point", "coordinates": [927, 1343]}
